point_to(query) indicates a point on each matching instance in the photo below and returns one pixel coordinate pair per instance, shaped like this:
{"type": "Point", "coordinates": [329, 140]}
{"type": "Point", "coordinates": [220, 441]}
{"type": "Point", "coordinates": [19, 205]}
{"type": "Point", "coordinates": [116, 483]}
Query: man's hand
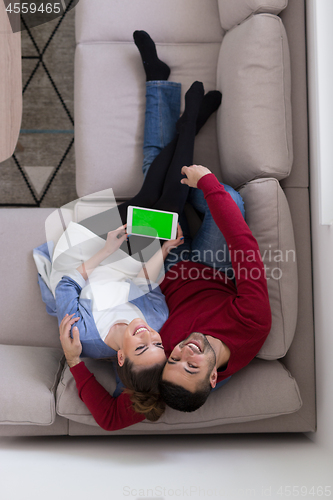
{"type": "Point", "coordinates": [115, 239]}
{"type": "Point", "coordinates": [170, 244]}
{"type": "Point", "coordinates": [194, 174]}
{"type": "Point", "coordinates": [72, 347]}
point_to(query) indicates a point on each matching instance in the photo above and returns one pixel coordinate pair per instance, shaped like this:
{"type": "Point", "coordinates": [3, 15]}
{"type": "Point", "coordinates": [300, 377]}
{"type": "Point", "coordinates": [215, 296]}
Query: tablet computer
{"type": "Point", "coordinates": [152, 223]}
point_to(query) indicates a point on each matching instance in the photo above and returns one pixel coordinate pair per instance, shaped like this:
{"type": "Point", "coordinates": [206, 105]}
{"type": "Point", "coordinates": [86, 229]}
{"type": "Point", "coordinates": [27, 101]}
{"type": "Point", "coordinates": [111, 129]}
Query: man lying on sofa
{"type": "Point", "coordinates": [219, 310]}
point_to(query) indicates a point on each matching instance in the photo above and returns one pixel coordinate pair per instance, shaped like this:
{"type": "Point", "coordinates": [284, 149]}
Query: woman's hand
{"type": "Point", "coordinates": [113, 242]}
{"type": "Point", "coordinates": [170, 244]}
{"type": "Point", "coordinates": [152, 268]}
{"type": "Point", "coordinates": [72, 347]}
{"type": "Point", "coordinates": [194, 174]}
{"type": "Point", "coordinates": [115, 239]}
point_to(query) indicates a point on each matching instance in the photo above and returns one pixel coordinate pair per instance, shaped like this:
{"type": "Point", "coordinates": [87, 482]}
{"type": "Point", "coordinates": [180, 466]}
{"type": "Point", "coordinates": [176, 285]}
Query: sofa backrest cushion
{"type": "Point", "coordinates": [250, 385]}
{"type": "Point", "coordinates": [268, 216]}
{"type": "Point", "coordinates": [293, 18]}
{"type": "Point", "coordinates": [167, 21]}
{"type": "Point", "coordinates": [236, 11]}
{"type": "Point", "coordinates": [254, 120]}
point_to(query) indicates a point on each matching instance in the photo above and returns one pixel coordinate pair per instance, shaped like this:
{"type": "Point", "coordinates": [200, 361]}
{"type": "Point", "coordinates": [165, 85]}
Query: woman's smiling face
{"type": "Point", "coordinates": [141, 345]}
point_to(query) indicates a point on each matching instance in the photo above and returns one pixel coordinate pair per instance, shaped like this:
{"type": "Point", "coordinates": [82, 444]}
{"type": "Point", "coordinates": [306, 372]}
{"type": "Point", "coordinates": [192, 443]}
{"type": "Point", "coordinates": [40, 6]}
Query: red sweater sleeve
{"type": "Point", "coordinates": [110, 413]}
{"type": "Point", "coordinates": [251, 302]}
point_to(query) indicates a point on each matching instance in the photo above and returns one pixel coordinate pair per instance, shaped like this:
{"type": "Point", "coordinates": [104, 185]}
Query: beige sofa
{"type": "Point", "coordinates": [257, 143]}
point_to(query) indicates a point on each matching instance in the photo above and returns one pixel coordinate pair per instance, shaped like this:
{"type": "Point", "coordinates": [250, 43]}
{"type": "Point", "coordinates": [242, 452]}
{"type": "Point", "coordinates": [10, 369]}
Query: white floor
{"type": "Point", "coordinates": [195, 467]}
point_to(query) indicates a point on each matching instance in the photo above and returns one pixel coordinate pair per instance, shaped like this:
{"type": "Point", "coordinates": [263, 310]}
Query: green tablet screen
{"type": "Point", "coordinates": [151, 223]}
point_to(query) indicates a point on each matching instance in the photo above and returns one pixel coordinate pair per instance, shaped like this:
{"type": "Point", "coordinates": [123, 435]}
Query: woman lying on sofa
{"type": "Point", "coordinates": [129, 329]}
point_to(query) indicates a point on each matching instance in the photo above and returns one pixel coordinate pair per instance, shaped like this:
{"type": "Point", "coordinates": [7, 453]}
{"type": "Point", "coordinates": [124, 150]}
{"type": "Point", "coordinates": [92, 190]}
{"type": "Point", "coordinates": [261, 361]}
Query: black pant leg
{"type": "Point", "coordinates": [148, 195]}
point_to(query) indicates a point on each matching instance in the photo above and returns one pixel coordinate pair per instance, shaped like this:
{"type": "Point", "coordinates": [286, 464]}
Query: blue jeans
{"type": "Point", "coordinates": [209, 246]}
{"type": "Point", "coordinates": [162, 113]}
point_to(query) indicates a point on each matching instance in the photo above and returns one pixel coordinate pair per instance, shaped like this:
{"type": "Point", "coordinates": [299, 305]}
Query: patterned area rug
{"type": "Point", "coordinates": [41, 171]}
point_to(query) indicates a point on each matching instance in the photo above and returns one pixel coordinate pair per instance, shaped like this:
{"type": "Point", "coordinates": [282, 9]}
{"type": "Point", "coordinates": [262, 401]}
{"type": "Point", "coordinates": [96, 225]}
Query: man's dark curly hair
{"type": "Point", "coordinates": [181, 399]}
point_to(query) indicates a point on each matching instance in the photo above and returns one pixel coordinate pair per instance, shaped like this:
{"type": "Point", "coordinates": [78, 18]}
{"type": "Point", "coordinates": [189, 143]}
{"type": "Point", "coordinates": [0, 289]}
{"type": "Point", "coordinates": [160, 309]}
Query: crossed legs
{"type": "Point", "coordinates": [162, 167]}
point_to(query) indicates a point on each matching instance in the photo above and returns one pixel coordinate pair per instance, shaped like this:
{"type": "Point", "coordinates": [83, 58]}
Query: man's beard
{"type": "Point", "coordinates": [207, 350]}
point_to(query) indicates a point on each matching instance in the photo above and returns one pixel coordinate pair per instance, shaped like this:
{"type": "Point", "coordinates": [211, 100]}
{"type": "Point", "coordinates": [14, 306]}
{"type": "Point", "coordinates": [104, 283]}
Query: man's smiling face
{"type": "Point", "coordinates": [191, 362]}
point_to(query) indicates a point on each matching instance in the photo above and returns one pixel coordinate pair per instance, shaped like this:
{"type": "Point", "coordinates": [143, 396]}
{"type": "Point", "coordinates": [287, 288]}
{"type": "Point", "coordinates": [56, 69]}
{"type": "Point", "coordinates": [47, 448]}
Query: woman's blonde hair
{"type": "Point", "coordinates": [142, 387]}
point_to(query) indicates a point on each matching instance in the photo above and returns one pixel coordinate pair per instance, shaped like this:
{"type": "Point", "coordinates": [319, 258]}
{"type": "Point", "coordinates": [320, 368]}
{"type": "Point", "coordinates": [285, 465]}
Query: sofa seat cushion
{"type": "Point", "coordinates": [263, 389]}
{"type": "Point", "coordinates": [28, 382]}
{"type": "Point", "coordinates": [254, 121]}
{"type": "Point", "coordinates": [23, 229]}
{"type": "Point", "coordinates": [235, 12]}
{"type": "Point", "coordinates": [268, 216]}
{"type": "Point", "coordinates": [110, 109]}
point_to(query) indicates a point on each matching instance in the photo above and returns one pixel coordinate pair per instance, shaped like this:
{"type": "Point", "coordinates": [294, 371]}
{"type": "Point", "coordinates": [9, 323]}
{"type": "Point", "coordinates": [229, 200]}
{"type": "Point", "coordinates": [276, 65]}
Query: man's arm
{"type": "Point", "coordinates": [243, 247]}
{"type": "Point", "coordinates": [110, 413]}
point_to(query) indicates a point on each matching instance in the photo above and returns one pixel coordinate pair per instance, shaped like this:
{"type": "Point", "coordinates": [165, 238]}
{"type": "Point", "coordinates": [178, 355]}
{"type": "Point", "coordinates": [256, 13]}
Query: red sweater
{"type": "Point", "coordinates": [110, 413]}
{"type": "Point", "coordinates": [203, 300]}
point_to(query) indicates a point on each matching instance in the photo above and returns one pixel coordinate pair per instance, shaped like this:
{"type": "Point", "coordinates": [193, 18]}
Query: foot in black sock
{"type": "Point", "coordinates": [210, 103]}
{"type": "Point", "coordinates": [155, 68]}
{"type": "Point", "coordinates": [193, 100]}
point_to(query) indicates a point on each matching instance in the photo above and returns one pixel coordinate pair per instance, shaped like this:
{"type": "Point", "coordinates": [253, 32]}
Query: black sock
{"type": "Point", "coordinates": [209, 104]}
{"type": "Point", "coordinates": [155, 68]}
{"type": "Point", "coordinates": [193, 100]}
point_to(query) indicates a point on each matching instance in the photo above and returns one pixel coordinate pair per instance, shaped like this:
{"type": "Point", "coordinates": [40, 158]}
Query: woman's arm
{"type": "Point", "coordinates": [151, 269]}
{"type": "Point", "coordinates": [67, 297]}
{"type": "Point", "coordinates": [113, 242]}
